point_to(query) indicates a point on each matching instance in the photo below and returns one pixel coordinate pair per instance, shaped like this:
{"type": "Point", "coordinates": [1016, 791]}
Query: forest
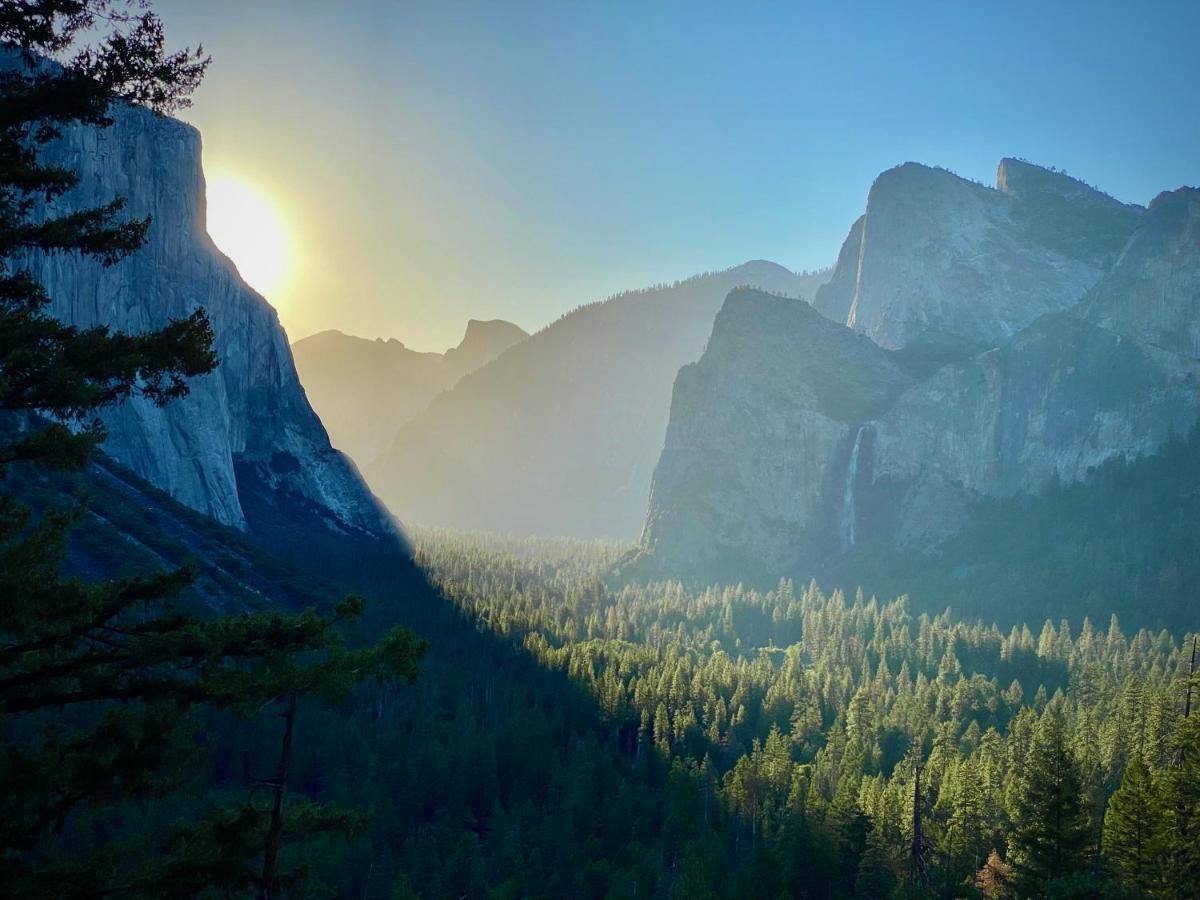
{"type": "Point", "coordinates": [809, 744]}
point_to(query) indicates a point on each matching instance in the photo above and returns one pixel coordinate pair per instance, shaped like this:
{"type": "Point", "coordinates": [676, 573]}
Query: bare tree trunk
{"type": "Point", "coordinates": [919, 875]}
{"type": "Point", "coordinates": [1187, 704]}
{"type": "Point", "coordinates": [275, 832]}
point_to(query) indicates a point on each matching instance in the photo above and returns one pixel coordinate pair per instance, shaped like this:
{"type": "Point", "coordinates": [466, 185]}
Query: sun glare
{"type": "Point", "coordinates": [249, 230]}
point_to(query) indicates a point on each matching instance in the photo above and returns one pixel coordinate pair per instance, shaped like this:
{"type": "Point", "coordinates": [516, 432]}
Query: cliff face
{"type": "Point", "coordinates": [365, 390]}
{"type": "Point", "coordinates": [560, 434]}
{"type": "Point", "coordinates": [1153, 293]}
{"type": "Point", "coordinates": [758, 480]}
{"type": "Point", "coordinates": [243, 428]}
{"type": "Point", "coordinates": [1049, 406]}
{"type": "Point", "coordinates": [938, 259]}
{"type": "Point", "coordinates": [762, 430]}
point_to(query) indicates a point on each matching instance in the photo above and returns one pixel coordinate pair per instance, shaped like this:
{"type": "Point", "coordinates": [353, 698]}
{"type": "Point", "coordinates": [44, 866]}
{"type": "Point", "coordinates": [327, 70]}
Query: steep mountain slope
{"type": "Point", "coordinates": [132, 528]}
{"type": "Point", "coordinates": [560, 434]}
{"type": "Point", "coordinates": [365, 390]}
{"type": "Point", "coordinates": [1066, 393]}
{"type": "Point", "coordinates": [782, 389]}
{"type": "Point", "coordinates": [1153, 294]}
{"type": "Point", "coordinates": [943, 260]}
{"type": "Point", "coordinates": [246, 428]}
{"type": "Point", "coordinates": [482, 342]}
{"type": "Point", "coordinates": [1106, 379]}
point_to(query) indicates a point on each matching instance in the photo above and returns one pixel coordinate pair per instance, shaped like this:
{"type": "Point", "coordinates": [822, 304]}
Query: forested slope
{"type": "Point", "coordinates": [781, 732]}
{"type": "Point", "coordinates": [571, 739]}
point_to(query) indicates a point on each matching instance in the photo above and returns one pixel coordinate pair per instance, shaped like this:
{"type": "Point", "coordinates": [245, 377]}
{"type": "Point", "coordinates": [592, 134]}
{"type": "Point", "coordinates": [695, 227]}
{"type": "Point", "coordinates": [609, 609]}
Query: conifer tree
{"type": "Point", "coordinates": [877, 878]}
{"type": "Point", "coordinates": [1050, 830]}
{"type": "Point", "coordinates": [1131, 827]}
{"type": "Point", "coordinates": [1178, 789]}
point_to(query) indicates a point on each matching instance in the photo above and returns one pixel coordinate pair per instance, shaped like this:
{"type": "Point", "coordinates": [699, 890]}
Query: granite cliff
{"type": "Point", "coordinates": [944, 260]}
{"type": "Point", "coordinates": [782, 390]}
{"type": "Point", "coordinates": [244, 447]}
{"type": "Point", "coordinates": [979, 345]}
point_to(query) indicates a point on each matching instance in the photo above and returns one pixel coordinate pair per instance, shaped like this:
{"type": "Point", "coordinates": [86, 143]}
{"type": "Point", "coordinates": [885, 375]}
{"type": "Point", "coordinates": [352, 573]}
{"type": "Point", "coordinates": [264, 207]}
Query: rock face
{"type": "Point", "coordinates": [1087, 314]}
{"type": "Point", "coordinates": [783, 390]}
{"type": "Point", "coordinates": [364, 390]}
{"type": "Point", "coordinates": [482, 343]}
{"type": "Point", "coordinates": [246, 427]}
{"type": "Point", "coordinates": [560, 434]}
{"type": "Point", "coordinates": [940, 259]}
{"type": "Point", "coordinates": [1153, 294]}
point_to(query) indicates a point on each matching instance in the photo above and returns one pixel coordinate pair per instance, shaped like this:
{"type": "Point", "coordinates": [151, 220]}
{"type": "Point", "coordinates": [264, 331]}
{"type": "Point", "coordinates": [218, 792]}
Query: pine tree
{"type": "Point", "coordinates": [1178, 789]}
{"type": "Point", "coordinates": [1050, 836]}
{"type": "Point", "coordinates": [102, 683]}
{"type": "Point", "coordinates": [1131, 827]}
{"type": "Point", "coordinates": [877, 877]}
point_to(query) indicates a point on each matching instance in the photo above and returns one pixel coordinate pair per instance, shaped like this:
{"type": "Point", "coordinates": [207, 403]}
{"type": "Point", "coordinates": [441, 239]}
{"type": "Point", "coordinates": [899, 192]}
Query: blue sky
{"type": "Point", "coordinates": [439, 161]}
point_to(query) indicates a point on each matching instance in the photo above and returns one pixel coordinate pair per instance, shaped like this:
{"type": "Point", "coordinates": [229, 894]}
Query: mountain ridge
{"type": "Point", "coordinates": [365, 389]}
{"type": "Point", "coordinates": [559, 435]}
{"type": "Point", "coordinates": [1075, 388]}
{"type": "Point", "coordinates": [938, 256]}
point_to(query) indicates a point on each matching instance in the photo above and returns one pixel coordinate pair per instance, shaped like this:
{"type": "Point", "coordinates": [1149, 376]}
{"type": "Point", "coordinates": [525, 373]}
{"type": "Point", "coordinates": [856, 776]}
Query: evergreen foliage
{"type": "Point", "coordinates": [1131, 827]}
{"type": "Point", "coordinates": [781, 730]}
{"type": "Point", "coordinates": [1050, 826]}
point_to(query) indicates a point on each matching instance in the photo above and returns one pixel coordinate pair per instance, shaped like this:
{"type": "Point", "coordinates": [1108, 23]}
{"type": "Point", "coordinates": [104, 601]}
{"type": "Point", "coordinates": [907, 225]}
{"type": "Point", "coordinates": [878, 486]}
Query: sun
{"type": "Point", "coordinates": [249, 230]}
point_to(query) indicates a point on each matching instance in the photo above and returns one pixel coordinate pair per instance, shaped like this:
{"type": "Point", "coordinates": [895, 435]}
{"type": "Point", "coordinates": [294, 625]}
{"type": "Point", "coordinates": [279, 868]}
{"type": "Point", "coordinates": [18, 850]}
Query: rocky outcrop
{"type": "Point", "coordinates": [365, 390]}
{"type": "Point", "coordinates": [1049, 406]}
{"type": "Point", "coordinates": [835, 298]}
{"type": "Point", "coordinates": [757, 479]}
{"type": "Point", "coordinates": [938, 259]}
{"type": "Point", "coordinates": [1153, 293]}
{"type": "Point", "coordinates": [247, 421]}
{"type": "Point", "coordinates": [560, 434]}
{"type": "Point", "coordinates": [483, 342]}
{"type": "Point", "coordinates": [763, 430]}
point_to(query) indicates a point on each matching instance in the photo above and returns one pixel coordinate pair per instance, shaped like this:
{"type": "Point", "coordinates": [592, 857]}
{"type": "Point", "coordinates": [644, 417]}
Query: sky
{"type": "Point", "coordinates": [432, 162]}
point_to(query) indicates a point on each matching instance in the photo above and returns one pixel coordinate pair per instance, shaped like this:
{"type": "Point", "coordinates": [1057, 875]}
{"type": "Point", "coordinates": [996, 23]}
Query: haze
{"type": "Point", "coordinates": [431, 171]}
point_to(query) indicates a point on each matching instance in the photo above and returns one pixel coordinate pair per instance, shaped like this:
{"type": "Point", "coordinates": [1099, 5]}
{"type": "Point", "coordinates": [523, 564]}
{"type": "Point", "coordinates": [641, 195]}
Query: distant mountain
{"type": "Point", "coordinates": [482, 343]}
{"type": "Point", "coordinates": [950, 262]}
{"type": "Point", "coordinates": [244, 447]}
{"type": "Point", "coordinates": [364, 390]}
{"type": "Point", "coordinates": [979, 367]}
{"type": "Point", "coordinates": [559, 435]}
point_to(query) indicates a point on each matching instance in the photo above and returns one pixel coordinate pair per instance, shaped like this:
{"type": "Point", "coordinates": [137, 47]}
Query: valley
{"type": "Point", "coordinates": [866, 581]}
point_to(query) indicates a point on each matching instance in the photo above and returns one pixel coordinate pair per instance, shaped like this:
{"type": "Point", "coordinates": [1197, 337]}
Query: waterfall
{"type": "Point", "coordinates": [848, 496]}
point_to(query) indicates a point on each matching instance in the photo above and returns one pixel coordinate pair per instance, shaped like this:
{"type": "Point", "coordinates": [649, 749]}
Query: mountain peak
{"type": "Point", "coordinates": [1003, 256]}
{"type": "Point", "coordinates": [1180, 195]}
{"type": "Point", "coordinates": [483, 341]}
{"type": "Point", "coordinates": [914, 179]}
{"type": "Point", "coordinates": [1023, 180]}
{"type": "Point", "coordinates": [762, 265]}
{"type": "Point", "coordinates": [1014, 174]}
{"type": "Point", "coordinates": [490, 332]}
{"type": "Point", "coordinates": [366, 388]}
